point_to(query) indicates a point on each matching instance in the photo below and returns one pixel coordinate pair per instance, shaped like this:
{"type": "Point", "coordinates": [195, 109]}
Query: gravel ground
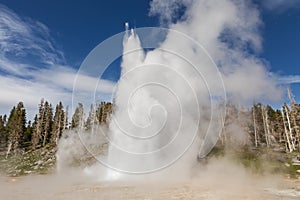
{"type": "Point", "coordinates": [71, 188]}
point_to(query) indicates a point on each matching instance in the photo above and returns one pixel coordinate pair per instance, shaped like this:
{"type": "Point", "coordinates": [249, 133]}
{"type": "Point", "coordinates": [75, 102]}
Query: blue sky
{"type": "Point", "coordinates": [39, 38]}
{"type": "Point", "coordinates": [78, 26]}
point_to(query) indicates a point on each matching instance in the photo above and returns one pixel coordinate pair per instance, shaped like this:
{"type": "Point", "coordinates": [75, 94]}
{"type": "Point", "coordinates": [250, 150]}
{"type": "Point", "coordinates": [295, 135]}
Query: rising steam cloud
{"type": "Point", "coordinates": [169, 102]}
{"type": "Point", "coordinates": [229, 30]}
{"type": "Point", "coordinates": [176, 83]}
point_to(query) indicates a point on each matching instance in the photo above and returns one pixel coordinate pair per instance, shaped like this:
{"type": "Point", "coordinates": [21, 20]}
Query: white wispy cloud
{"type": "Point", "coordinates": [32, 67]}
{"type": "Point", "coordinates": [280, 5]}
{"type": "Point", "coordinates": [289, 79]}
{"type": "Point", "coordinates": [22, 38]}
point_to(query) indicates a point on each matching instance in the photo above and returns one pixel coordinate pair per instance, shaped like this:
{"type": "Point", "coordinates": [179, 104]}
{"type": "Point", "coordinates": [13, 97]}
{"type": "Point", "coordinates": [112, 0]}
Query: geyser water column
{"type": "Point", "coordinates": [168, 104]}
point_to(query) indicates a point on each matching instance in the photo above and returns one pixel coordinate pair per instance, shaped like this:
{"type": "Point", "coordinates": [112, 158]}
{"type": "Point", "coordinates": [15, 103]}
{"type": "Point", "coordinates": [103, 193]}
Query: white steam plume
{"type": "Point", "coordinates": [229, 30]}
{"type": "Point", "coordinates": [144, 123]}
{"type": "Point", "coordinates": [166, 103]}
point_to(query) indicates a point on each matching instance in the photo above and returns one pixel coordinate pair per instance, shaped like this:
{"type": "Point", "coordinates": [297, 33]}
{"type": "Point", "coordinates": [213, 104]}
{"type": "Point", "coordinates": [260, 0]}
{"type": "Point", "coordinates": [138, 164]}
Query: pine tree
{"type": "Point", "coordinates": [42, 125]}
{"type": "Point", "coordinates": [78, 117]}
{"type": "Point", "coordinates": [26, 139]}
{"type": "Point", "coordinates": [3, 133]}
{"type": "Point", "coordinates": [100, 111]}
{"type": "Point", "coordinates": [296, 122]}
{"type": "Point", "coordinates": [58, 124]}
{"type": "Point", "coordinates": [35, 139]}
{"type": "Point", "coordinates": [47, 123]}
{"type": "Point", "coordinates": [103, 112]}
{"type": "Point", "coordinates": [38, 126]}
{"type": "Point", "coordinates": [66, 123]}
{"type": "Point", "coordinates": [16, 127]}
{"type": "Point", "coordinates": [92, 119]}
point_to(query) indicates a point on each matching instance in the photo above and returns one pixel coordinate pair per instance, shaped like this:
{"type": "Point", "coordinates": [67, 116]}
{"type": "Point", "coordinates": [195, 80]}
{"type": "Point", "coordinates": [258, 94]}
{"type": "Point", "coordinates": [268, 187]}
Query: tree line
{"type": "Point", "coordinates": [18, 134]}
{"type": "Point", "coordinates": [264, 126]}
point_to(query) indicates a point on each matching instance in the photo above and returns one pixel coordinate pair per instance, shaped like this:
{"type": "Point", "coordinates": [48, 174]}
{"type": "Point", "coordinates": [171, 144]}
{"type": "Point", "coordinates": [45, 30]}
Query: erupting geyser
{"type": "Point", "coordinates": [158, 109]}
{"type": "Point", "coordinates": [169, 104]}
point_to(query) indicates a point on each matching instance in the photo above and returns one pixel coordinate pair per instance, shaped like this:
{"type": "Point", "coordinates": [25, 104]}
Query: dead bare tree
{"type": "Point", "coordinates": [287, 138]}
{"type": "Point", "coordinates": [254, 126]}
{"type": "Point", "coordinates": [264, 115]}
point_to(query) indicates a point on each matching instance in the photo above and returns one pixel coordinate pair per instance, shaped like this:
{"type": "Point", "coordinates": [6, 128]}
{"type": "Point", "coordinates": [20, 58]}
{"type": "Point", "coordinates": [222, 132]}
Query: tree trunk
{"type": "Point", "coordinates": [66, 118]}
{"type": "Point", "coordinates": [254, 125]}
{"type": "Point", "coordinates": [268, 127]}
{"type": "Point", "coordinates": [8, 149]}
{"type": "Point", "coordinates": [264, 123]}
{"type": "Point", "coordinates": [290, 128]}
{"type": "Point", "coordinates": [289, 146]}
{"type": "Point", "coordinates": [293, 118]}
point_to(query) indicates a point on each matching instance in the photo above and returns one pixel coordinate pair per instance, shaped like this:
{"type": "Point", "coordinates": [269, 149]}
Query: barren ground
{"type": "Point", "coordinates": [54, 187]}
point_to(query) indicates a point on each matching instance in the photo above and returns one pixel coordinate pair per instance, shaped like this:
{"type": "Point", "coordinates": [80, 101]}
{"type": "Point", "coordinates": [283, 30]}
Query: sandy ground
{"type": "Point", "coordinates": [54, 187]}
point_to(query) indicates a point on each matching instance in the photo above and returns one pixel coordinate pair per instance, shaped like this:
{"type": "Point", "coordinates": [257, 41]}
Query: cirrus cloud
{"type": "Point", "coordinates": [33, 67]}
{"type": "Point", "coordinates": [280, 5]}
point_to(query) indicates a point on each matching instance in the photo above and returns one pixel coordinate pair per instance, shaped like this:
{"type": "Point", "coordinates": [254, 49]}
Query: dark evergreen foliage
{"type": "Point", "coordinates": [264, 125]}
